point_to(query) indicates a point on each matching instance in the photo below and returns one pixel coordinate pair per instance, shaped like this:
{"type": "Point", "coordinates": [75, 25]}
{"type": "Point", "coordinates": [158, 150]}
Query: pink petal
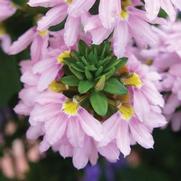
{"type": "Point", "coordinates": [123, 138]}
{"type": "Point", "coordinates": [141, 134]}
{"type": "Point", "coordinates": [75, 134]}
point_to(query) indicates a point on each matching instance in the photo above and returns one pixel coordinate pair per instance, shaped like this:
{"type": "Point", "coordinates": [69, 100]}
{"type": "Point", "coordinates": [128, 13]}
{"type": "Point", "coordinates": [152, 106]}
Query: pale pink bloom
{"type": "Point", "coordinates": [93, 25]}
{"type": "Point", "coordinates": [37, 39]}
{"type": "Point", "coordinates": [135, 122]}
{"type": "Point", "coordinates": [47, 69]}
{"type": "Point", "coordinates": [67, 124]}
{"type": "Point", "coordinates": [58, 12]}
{"type": "Point", "coordinates": [122, 133]}
{"type": "Point", "coordinates": [37, 76]}
{"type": "Point", "coordinates": [167, 62]}
{"type": "Point", "coordinates": [169, 6]}
{"type": "Point", "coordinates": [30, 80]}
{"type": "Point", "coordinates": [7, 9]}
{"type": "Point", "coordinates": [127, 24]}
{"type": "Point", "coordinates": [147, 91]}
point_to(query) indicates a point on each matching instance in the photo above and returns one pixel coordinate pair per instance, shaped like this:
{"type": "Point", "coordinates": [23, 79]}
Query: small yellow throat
{"type": "Point", "coordinates": [57, 87]}
{"type": "Point", "coordinates": [124, 15]}
{"type": "Point", "coordinates": [133, 80]}
{"type": "Point", "coordinates": [70, 108]}
{"type": "Point", "coordinates": [65, 54]}
{"type": "Point", "coordinates": [68, 1]}
{"type": "Point", "coordinates": [43, 33]}
{"type": "Point", "coordinates": [126, 111]}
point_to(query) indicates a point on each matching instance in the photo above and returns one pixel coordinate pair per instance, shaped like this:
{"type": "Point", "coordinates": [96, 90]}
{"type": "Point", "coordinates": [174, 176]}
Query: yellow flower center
{"type": "Point", "coordinates": [133, 80]}
{"type": "Point", "coordinates": [68, 1]}
{"type": "Point", "coordinates": [57, 87]}
{"type": "Point", "coordinates": [124, 15]}
{"type": "Point", "coordinates": [65, 54]}
{"type": "Point", "coordinates": [70, 108]}
{"type": "Point", "coordinates": [43, 33]}
{"type": "Point", "coordinates": [126, 111]}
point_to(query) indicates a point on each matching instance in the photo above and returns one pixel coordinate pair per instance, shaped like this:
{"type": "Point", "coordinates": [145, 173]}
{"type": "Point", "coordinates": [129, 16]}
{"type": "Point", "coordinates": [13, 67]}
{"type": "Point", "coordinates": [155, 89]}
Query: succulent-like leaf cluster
{"type": "Point", "coordinates": [91, 72]}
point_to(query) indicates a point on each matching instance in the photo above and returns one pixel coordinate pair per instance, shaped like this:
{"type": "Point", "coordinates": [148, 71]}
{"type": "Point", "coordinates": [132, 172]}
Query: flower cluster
{"type": "Point", "coordinates": [94, 86]}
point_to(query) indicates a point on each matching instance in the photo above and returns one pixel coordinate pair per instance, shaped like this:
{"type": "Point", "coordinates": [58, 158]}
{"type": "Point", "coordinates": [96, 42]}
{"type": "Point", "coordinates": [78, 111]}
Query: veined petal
{"type": "Point", "coordinates": [79, 7]}
{"type": "Point", "coordinates": [53, 17]}
{"type": "Point", "coordinates": [44, 3]}
{"type": "Point", "coordinates": [80, 158]}
{"type": "Point", "coordinates": [23, 42]}
{"type": "Point", "coordinates": [75, 133]}
{"type": "Point", "coordinates": [71, 31]}
{"type": "Point", "coordinates": [169, 9]}
{"type": "Point", "coordinates": [109, 11]}
{"type": "Point", "coordinates": [120, 38]}
{"type": "Point", "coordinates": [152, 7]}
{"type": "Point", "coordinates": [123, 138]}
{"type": "Point", "coordinates": [55, 129]}
{"type": "Point", "coordinates": [90, 125]}
{"type": "Point", "coordinates": [141, 134]}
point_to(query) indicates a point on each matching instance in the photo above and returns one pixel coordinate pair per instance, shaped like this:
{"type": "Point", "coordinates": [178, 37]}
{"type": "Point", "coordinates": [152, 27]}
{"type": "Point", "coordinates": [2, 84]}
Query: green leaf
{"type": "Point", "coordinates": [110, 73]}
{"type": "Point", "coordinates": [76, 67]}
{"type": "Point", "coordinates": [82, 47]}
{"type": "Point", "coordinates": [80, 64]}
{"type": "Point", "coordinates": [92, 57]}
{"type": "Point", "coordinates": [104, 61]}
{"type": "Point", "coordinates": [88, 74]}
{"type": "Point", "coordinates": [75, 55]}
{"type": "Point", "coordinates": [105, 49]}
{"type": "Point", "coordinates": [70, 80]}
{"type": "Point", "coordinates": [91, 67]}
{"type": "Point", "coordinates": [113, 63]}
{"type": "Point", "coordinates": [114, 86]}
{"type": "Point", "coordinates": [99, 103]}
{"type": "Point", "coordinates": [101, 83]}
{"type": "Point", "coordinates": [76, 73]}
{"type": "Point", "coordinates": [84, 60]}
{"type": "Point", "coordinates": [85, 86]}
{"type": "Point", "coordinates": [99, 71]}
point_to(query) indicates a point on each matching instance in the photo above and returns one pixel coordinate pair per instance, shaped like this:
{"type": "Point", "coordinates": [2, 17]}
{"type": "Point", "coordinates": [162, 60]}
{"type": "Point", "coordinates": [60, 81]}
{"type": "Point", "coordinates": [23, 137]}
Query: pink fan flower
{"type": "Point", "coordinates": [67, 125]}
{"type": "Point", "coordinates": [75, 9]}
{"type": "Point", "coordinates": [139, 114]}
{"type": "Point", "coordinates": [167, 61]}
{"type": "Point", "coordinates": [169, 6]}
{"type": "Point", "coordinates": [39, 72]}
{"type": "Point", "coordinates": [37, 39]}
{"type": "Point", "coordinates": [126, 22]}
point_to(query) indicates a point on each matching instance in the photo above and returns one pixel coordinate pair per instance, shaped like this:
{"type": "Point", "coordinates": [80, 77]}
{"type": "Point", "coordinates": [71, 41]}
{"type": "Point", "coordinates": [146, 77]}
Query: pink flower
{"type": "Point", "coordinates": [26, 104]}
{"type": "Point", "coordinates": [126, 23]}
{"type": "Point", "coordinates": [153, 7]}
{"type": "Point", "coordinates": [37, 39]}
{"type": "Point", "coordinates": [67, 124]}
{"type": "Point", "coordinates": [60, 9]}
{"type": "Point", "coordinates": [139, 113]}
